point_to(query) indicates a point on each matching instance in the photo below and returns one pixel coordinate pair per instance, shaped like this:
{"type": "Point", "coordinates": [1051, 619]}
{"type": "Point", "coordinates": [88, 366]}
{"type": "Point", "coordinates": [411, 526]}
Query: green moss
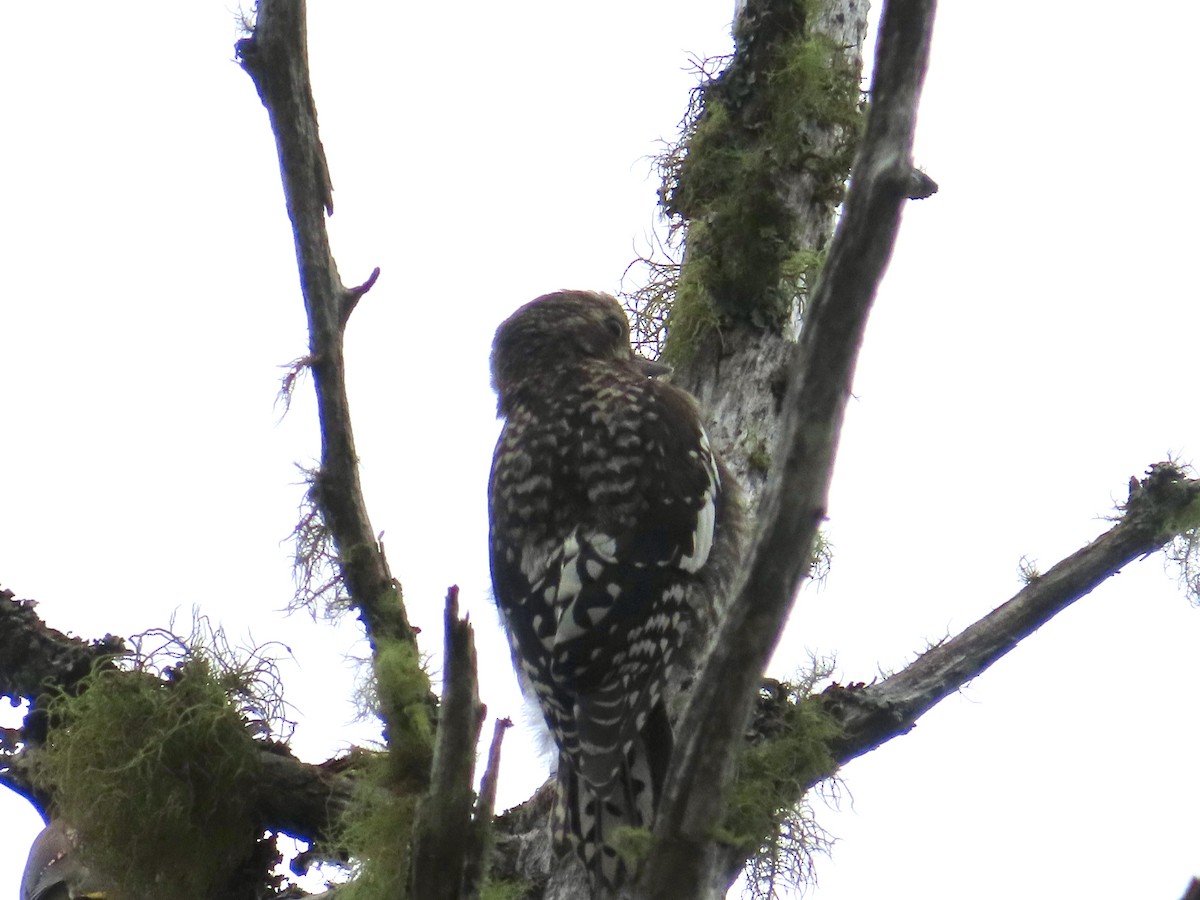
{"type": "Point", "coordinates": [759, 458]}
{"type": "Point", "coordinates": [822, 558]}
{"type": "Point", "coordinates": [693, 314]}
{"type": "Point", "coordinates": [633, 844]}
{"type": "Point", "coordinates": [157, 776]}
{"type": "Point", "coordinates": [376, 830]}
{"type": "Point", "coordinates": [1186, 518]}
{"type": "Point", "coordinates": [786, 112]}
{"type": "Point", "coordinates": [773, 773]}
{"type": "Point", "coordinates": [403, 692]}
{"type": "Point", "coordinates": [767, 816]}
{"type": "Point", "coordinates": [377, 833]}
{"type": "Point", "coordinates": [504, 890]}
{"type": "Point", "coordinates": [799, 273]}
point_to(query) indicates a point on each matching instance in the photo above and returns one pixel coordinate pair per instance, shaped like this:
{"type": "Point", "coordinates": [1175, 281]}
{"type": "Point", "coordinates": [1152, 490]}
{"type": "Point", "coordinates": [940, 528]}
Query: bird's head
{"type": "Point", "coordinates": [556, 333]}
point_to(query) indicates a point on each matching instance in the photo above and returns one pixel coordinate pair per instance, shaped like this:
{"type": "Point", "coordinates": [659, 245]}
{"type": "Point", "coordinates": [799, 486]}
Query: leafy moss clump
{"type": "Point", "coordinates": [783, 118]}
{"type": "Point", "coordinates": [156, 775]}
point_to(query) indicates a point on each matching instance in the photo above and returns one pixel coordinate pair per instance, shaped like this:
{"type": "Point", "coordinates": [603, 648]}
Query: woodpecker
{"type": "Point", "coordinates": [614, 529]}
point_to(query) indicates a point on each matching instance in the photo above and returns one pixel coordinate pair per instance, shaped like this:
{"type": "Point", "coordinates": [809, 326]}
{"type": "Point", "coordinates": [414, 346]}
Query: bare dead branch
{"type": "Point", "coordinates": [491, 775]}
{"type": "Point", "coordinates": [441, 835]}
{"type": "Point", "coordinates": [275, 56]}
{"type": "Point", "coordinates": [485, 810]}
{"type": "Point", "coordinates": [1160, 505]}
{"type": "Point", "coordinates": [794, 499]}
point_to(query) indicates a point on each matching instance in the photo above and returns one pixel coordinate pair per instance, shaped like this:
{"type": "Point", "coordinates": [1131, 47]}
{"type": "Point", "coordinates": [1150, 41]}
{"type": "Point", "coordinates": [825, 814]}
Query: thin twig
{"type": "Point", "coordinates": [485, 809]}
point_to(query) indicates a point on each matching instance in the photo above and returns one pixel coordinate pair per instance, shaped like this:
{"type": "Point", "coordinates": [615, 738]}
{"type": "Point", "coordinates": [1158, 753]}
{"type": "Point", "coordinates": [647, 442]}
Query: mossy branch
{"type": "Point", "coordinates": [290, 796]}
{"type": "Point", "coordinates": [765, 155]}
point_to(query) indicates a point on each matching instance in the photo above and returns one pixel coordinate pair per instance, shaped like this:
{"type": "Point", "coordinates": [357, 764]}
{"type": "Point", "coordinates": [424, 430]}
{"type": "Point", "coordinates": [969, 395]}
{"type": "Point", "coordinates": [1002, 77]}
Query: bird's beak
{"type": "Point", "coordinates": [652, 368]}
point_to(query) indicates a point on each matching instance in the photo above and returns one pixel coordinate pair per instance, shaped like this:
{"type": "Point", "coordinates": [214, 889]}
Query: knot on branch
{"type": "Point", "coordinates": [34, 655]}
{"type": "Point", "coordinates": [1166, 497]}
{"type": "Point", "coordinates": [837, 700]}
{"type": "Point", "coordinates": [920, 185]}
{"type": "Point", "coordinates": [246, 51]}
{"type": "Point", "coordinates": [866, 715]}
{"type": "Point", "coordinates": [351, 297]}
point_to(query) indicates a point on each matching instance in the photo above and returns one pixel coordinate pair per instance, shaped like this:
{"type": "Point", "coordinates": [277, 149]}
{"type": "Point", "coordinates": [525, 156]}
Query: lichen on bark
{"type": "Point", "coordinates": [770, 136]}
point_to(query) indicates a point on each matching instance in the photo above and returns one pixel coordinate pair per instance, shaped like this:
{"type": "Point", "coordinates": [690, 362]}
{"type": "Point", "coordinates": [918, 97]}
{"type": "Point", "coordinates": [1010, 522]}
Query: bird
{"type": "Point", "coordinates": [54, 870]}
{"type": "Point", "coordinates": [614, 529]}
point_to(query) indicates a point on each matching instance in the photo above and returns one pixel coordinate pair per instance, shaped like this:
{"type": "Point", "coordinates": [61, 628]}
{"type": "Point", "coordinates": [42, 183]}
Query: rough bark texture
{"type": "Point", "coordinates": [739, 374]}
{"type": "Point", "coordinates": [440, 848]}
{"type": "Point", "coordinates": [820, 372]}
{"type": "Point", "coordinates": [276, 58]}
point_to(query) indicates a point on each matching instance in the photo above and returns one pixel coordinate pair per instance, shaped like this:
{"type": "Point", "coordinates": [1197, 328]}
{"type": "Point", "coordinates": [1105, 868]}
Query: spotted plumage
{"type": "Point", "coordinates": [610, 519]}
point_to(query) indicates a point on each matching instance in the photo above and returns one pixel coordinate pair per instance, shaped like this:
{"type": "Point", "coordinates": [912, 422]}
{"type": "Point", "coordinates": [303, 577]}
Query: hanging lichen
{"type": "Point", "coordinates": [766, 813]}
{"type": "Point", "coordinates": [376, 832]}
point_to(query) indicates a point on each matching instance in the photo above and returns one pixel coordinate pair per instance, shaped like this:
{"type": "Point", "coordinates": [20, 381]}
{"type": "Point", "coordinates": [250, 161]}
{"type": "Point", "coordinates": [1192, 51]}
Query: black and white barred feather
{"type": "Point", "coordinates": [613, 527]}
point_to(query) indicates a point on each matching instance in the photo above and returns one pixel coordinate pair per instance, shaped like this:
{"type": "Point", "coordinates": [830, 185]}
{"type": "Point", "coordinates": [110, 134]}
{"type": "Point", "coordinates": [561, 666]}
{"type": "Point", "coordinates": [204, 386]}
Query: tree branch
{"type": "Point", "coordinates": [737, 371]}
{"type": "Point", "coordinates": [1160, 506]}
{"type": "Point", "coordinates": [276, 58]}
{"type": "Point", "coordinates": [794, 499]}
{"type": "Point", "coordinates": [300, 799]}
{"type": "Point", "coordinates": [481, 838]}
{"type": "Point", "coordinates": [35, 659]}
{"type": "Point", "coordinates": [441, 836]}
{"type": "Point", "coordinates": [297, 798]}
{"type": "Point", "coordinates": [34, 656]}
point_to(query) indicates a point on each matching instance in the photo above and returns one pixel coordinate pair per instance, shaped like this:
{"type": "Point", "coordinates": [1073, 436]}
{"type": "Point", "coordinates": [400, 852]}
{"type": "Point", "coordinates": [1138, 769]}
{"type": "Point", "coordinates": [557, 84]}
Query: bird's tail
{"type": "Point", "coordinates": [588, 818]}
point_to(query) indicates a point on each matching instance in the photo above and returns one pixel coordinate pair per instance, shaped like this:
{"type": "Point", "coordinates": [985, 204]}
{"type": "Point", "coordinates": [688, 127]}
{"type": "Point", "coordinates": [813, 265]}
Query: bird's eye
{"type": "Point", "coordinates": [615, 326]}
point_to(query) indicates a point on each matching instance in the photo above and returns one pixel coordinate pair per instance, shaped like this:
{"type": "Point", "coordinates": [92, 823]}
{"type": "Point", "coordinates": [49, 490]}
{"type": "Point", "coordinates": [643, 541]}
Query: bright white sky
{"type": "Point", "coordinates": [1032, 347]}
